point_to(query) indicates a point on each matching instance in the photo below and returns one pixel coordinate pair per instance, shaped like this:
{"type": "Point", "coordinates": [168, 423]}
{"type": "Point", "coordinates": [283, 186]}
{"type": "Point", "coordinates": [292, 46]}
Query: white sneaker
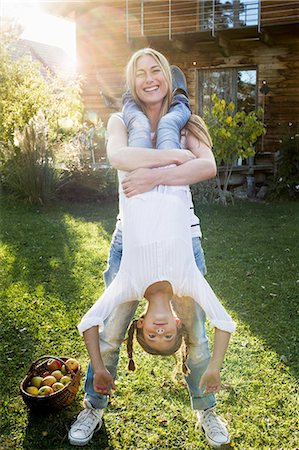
{"type": "Point", "coordinates": [214, 428]}
{"type": "Point", "coordinates": [88, 422]}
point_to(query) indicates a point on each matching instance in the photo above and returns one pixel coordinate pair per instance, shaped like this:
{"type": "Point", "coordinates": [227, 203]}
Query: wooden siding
{"type": "Point", "coordinates": [103, 50]}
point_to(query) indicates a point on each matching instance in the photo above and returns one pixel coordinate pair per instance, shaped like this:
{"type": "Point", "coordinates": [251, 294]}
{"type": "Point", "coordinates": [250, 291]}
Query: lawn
{"type": "Point", "coordinates": [51, 266]}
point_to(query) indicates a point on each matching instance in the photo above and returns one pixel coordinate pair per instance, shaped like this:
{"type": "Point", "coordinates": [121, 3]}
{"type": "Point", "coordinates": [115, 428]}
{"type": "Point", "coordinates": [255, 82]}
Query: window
{"type": "Point", "coordinates": [237, 85]}
{"type": "Point", "coordinates": [224, 14]}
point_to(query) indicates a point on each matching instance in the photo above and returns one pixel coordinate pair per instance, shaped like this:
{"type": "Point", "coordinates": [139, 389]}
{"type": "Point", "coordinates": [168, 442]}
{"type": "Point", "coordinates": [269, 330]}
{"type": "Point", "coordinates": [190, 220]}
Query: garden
{"type": "Point", "coordinates": [52, 259]}
{"type": "Point", "coordinates": [57, 215]}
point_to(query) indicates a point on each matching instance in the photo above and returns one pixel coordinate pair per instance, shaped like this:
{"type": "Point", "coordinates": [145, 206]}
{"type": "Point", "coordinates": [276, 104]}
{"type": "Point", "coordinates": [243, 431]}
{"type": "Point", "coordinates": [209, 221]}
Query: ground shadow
{"type": "Point", "coordinates": [252, 265]}
{"type": "Point", "coordinates": [55, 435]}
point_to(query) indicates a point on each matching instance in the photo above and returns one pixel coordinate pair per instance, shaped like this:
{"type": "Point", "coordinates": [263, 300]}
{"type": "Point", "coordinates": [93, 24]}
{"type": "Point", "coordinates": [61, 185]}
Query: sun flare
{"type": "Point", "coordinates": [42, 27]}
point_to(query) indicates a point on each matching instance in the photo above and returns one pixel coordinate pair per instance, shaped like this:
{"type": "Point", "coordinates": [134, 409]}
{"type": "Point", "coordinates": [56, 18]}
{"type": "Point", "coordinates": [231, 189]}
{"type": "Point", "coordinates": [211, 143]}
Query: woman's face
{"type": "Point", "coordinates": [150, 83]}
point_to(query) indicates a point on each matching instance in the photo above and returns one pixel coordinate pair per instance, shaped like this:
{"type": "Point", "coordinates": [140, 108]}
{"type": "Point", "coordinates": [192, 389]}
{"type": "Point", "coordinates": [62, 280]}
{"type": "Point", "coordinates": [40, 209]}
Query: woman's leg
{"type": "Point", "coordinates": [193, 318]}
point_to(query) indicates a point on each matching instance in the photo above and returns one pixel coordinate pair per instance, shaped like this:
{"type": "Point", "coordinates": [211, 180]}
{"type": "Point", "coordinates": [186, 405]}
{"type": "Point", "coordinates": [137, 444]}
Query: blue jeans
{"type": "Point", "coordinates": [168, 129]}
{"type": "Point", "coordinates": [191, 314]}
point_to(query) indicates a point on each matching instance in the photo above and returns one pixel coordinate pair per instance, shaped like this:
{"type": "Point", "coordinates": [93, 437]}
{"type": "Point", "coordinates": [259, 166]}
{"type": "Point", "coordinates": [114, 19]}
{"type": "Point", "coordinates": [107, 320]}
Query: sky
{"type": "Point", "coordinates": [40, 26]}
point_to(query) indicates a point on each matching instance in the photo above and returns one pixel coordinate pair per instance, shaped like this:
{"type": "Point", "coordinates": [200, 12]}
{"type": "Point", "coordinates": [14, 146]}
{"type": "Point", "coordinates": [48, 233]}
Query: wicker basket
{"type": "Point", "coordinates": [58, 399]}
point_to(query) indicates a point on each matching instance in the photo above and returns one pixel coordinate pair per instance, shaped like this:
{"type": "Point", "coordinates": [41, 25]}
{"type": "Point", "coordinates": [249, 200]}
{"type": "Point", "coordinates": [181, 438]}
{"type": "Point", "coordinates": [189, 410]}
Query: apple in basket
{"type": "Point", "coordinates": [53, 364]}
{"type": "Point", "coordinates": [49, 380]}
{"type": "Point", "coordinates": [72, 364]}
{"type": "Point", "coordinates": [36, 381]}
{"type": "Point", "coordinates": [65, 379]}
{"type": "Point", "coordinates": [57, 374]}
{"type": "Point", "coordinates": [45, 390]}
{"type": "Point", "coordinates": [32, 390]}
{"type": "Point", "coordinates": [57, 386]}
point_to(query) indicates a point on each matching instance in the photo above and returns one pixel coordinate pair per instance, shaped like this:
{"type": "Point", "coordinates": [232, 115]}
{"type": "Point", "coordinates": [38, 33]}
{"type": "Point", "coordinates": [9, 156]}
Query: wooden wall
{"type": "Point", "coordinates": [103, 51]}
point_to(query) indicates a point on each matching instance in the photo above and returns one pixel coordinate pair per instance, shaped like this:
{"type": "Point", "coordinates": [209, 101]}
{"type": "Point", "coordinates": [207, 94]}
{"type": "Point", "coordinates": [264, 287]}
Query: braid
{"type": "Point", "coordinates": [184, 353]}
{"type": "Point", "coordinates": [131, 331]}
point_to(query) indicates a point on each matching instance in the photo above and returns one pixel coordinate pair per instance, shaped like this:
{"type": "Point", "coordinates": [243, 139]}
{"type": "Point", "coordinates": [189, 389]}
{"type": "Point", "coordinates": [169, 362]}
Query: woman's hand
{"type": "Point", "coordinates": [103, 381]}
{"type": "Point", "coordinates": [139, 181]}
{"type": "Point", "coordinates": [183, 156]}
{"type": "Point", "coordinates": [210, 381]}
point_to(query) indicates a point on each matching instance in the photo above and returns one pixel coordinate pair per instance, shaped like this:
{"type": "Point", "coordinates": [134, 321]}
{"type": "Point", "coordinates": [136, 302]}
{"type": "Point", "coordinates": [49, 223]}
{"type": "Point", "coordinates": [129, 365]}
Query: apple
{"type": "Point", "coordinates": [72, 364]}
{"type": "Point", "coordinates": [57, 386]}
{"type": "Point", "coordinates": [48, 381]}
{"type": "Point", "coordinates": [32, 390]}
{"type": "Point", "coordinates": [46, 374]}
{"type": "Point", "coordinates": [53, 364]}
{"type": "Point", "coordinates": [65, 379]}
{"type": "Point", "coordinates": [63, 370]}
{"type": "Point", "coordinates": [36, 381]}
{"type": "Point", "coordinates": [45, 390]}
{"type": "Point", "coordinates": [57, 374]}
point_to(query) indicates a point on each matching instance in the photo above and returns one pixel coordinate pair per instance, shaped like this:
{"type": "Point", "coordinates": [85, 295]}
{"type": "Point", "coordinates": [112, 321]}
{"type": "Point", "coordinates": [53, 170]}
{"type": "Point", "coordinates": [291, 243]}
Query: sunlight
{"type": "Point", "coordinates": [41, 27]}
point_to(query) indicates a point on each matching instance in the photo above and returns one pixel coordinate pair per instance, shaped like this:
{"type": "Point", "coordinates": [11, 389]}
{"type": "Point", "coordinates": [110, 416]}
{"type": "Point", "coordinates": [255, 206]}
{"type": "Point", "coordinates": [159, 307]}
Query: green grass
{"type": "Point", "coordinates": [51, 261]}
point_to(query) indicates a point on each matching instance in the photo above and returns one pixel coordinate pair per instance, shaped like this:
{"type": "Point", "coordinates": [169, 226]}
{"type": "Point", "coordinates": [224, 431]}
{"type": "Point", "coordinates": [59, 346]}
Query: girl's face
{"type": "Point", "coordinates": [150, 83]}
{"type": "Point", "coordinates": [159, 330]}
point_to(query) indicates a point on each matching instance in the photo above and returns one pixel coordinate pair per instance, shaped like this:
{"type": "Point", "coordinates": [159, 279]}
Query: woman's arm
{"type": "Point", "coordinates": [210, 379]}
{"type": "Point", "coordinates": [126, 158]}
{"type": "Point", "coordinates": [203, 167]}
{"type": "Point", "coordinates": [103, 381]}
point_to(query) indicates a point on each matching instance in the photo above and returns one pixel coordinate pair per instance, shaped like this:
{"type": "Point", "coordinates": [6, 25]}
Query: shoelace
{"type": "Point", "coordinates": [213, 423]}
{"type": "Point", "coordinates": [86, 419]}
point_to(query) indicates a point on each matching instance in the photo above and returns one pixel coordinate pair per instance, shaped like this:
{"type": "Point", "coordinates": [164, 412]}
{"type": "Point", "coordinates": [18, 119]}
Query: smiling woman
{"type": "Point", "coordinates": [41, 27]}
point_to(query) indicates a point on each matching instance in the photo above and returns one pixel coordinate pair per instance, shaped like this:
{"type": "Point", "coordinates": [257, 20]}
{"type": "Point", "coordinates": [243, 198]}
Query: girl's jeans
{"type": "Point", "coordinates": [168, 129]}
{"type": "Point", "coordinates": [191, 314]}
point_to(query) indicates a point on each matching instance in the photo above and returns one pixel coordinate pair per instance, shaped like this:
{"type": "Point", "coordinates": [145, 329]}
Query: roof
{"type": "Point", "coordinates": [53, 58]}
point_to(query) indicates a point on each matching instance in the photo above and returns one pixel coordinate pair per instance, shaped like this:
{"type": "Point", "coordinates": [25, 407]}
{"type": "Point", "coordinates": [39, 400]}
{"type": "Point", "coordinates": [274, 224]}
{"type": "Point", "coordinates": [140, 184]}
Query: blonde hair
{"type": "Point", "coordinates": [198, 128]}
{"type": "Point", "coordinates": [165, 67]}
{"type": "Point", "coordinates": [180, 343]}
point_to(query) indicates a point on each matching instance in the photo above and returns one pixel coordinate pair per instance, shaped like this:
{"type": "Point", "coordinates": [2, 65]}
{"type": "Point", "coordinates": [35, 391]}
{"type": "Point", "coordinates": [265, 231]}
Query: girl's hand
{"type": "Point", "coordinates": [210, 381]}
{"type": "Point", "coordinates": [103, 381]}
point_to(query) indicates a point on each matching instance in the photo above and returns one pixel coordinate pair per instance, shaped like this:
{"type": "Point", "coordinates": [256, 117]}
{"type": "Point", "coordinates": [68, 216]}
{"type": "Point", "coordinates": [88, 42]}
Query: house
{"type": "Point", "coordinates": [51, 58]}
{"type": "Point", "coordinates": [243, 50]}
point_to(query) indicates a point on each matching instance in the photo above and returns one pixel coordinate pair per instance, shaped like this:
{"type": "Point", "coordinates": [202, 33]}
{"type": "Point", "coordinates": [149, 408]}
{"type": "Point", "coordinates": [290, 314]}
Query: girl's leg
{"type": "Point", "coordinates": [138, 125]}
{"type": "Point", "coordinates": [170, 125]}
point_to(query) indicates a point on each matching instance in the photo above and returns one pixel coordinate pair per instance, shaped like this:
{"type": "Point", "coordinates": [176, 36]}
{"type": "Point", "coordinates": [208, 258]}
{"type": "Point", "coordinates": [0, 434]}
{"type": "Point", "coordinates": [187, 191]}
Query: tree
{"type": "Point", "coordinates": [234, 135]}
{"type": "Point", "coordinates": [24, 91]}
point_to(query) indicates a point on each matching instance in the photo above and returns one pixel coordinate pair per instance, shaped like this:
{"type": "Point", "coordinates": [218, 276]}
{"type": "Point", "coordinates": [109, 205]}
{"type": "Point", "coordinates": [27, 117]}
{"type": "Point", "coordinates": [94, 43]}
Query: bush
{"type": "Point", "coordinates": [83, 159]}
{"type": "Point", "coordinates": [234, 135]}
{"type": "Point", "coordinates": [27, 166]}
{"type": "Point", "coordinates": [205, 192]}
{"type": "Point", "coordinates": [285, 183]}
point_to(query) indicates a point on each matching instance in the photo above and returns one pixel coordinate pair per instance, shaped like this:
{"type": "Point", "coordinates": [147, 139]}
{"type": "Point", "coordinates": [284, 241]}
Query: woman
{"type": "Point", "coordinates": [150, 85]}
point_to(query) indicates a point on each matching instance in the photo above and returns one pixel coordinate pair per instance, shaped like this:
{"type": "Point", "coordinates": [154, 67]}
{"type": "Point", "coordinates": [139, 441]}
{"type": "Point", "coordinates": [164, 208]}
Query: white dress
{"type": "Point", "coordinates": [157, 246]}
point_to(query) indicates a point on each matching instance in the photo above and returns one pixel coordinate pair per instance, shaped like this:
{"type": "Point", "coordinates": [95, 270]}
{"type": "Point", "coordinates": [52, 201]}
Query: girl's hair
{"type": "Point", "coordinates": [165, 67]}
{"type": "Point", "coordinates": [199, 129]}
{"type": "Point", "coordinates": [181, 342]}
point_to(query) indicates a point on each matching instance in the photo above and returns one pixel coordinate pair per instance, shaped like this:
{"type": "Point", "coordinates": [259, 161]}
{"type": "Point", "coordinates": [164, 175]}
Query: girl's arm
{"type": "Point", "coordinates": [102, 381]}
{"type": "Point", "coordinates": [126, 158]}
{"type": "Point", "coordinates": [203, 167]}
{"type": "Point", "coordinates": [210, 380]}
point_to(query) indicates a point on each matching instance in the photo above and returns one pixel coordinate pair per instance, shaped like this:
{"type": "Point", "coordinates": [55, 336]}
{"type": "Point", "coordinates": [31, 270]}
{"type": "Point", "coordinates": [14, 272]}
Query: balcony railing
{"type": "Point", "coordinates": [173, 17]}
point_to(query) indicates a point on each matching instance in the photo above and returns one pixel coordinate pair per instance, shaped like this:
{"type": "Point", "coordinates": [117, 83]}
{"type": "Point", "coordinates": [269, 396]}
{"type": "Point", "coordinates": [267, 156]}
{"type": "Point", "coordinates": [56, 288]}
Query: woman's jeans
{"type": "Point", "coordinates": [191, 314]}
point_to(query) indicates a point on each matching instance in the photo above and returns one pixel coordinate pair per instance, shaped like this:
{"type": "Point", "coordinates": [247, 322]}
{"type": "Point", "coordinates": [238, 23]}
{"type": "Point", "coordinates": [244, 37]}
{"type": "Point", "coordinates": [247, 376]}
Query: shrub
{"type": "Point", "coordinates": [27, 166]}
{"type": "Point", "coordinates": [234, 135]}
{"type": "Point", "coordinates": [285, 183]}
{"type": "Point", "coordinates": [83, 159]}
